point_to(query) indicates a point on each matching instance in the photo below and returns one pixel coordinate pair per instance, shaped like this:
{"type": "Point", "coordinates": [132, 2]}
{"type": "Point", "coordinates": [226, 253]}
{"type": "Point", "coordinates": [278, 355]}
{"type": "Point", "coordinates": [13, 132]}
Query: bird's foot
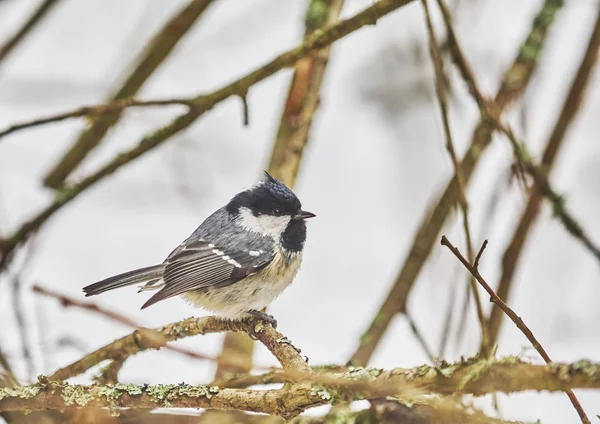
{"type": "Point", "coordinates": [264, 317]}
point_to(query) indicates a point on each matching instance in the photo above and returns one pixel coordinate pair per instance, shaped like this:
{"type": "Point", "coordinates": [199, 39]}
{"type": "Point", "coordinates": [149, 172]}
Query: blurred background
{"type": "Point", "coordinates": [373, 169]}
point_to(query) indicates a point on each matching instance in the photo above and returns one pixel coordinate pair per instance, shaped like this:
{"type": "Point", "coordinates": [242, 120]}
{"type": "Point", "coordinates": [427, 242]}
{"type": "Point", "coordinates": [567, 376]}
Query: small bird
{"type": "Point", "coordinates": [236, 262]}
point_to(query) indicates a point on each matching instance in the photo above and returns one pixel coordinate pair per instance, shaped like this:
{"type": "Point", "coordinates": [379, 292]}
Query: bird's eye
{"type": "Point", "coordinates": [277, 212]}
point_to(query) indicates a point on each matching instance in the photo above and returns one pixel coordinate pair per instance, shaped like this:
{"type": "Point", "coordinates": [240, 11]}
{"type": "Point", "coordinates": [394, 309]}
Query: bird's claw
{"type": "Point", "coordinates": [264, 317]}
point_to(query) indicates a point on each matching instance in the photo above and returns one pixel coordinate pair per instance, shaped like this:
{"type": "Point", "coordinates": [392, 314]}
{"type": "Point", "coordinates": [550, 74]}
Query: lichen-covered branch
{"type": "Point", "coordinates": [476, 377]}
{"type": "Point", "coordinates": [144, 339]}
{"type": "Point", "coordinates": [513, 85]}
{"type": "Point", "coordinates": [474, 270]}
{"type": "Point", "coordinates": [316, 41]}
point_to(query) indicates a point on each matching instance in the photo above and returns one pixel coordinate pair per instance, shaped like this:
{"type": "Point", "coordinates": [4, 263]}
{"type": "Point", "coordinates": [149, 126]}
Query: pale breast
{"type": "Point", "coordinates": [252, 293]}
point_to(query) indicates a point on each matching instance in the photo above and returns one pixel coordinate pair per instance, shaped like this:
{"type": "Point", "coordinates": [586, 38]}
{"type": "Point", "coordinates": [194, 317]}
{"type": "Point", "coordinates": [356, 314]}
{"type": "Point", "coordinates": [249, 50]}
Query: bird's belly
{"type": "Point", "coordinates": [252, 293]}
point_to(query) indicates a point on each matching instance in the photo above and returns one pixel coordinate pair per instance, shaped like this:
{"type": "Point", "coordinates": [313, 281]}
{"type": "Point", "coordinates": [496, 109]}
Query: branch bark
{"type": "Point", "coordinates": [476, 377]}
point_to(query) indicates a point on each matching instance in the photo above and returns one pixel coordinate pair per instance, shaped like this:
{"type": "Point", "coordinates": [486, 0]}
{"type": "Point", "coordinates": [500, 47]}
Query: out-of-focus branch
{"type": "Point", "coordinates": [300, 107]}
{"type": "Point", "coordinates": [154, 54]}
{"type": "Point", "coordinates": [523, 157]}
{"type": "Point", "coordinates": [474, 270]}
{"type": "Point", "coordinates": [569, 110]}
{"type": "Point", "coordinates": [318, 40]}
{"type": "Point", "coordinates": [513, 85]}
{"type": "Point", "coordinates": [440, 90]}
{"type": "Point", "coordinates": [67, 302]}
{"type": "Point", "coordinates": [36, 17]}
{"type": "Point", "coordinates": [93, 111]}
{"type": "Point", "coordinates": [507, 375]}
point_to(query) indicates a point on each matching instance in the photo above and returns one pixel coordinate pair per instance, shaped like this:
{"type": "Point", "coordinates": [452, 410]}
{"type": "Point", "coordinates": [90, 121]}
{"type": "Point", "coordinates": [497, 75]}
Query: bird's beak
{"type": "Point", "coordinates": [304, 215]}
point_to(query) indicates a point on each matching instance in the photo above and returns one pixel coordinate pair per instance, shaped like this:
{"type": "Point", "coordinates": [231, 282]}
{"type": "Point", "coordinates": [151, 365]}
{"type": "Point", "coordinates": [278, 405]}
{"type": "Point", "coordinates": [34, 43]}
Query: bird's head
{"type": "Point", "coordinates": [269, 208]}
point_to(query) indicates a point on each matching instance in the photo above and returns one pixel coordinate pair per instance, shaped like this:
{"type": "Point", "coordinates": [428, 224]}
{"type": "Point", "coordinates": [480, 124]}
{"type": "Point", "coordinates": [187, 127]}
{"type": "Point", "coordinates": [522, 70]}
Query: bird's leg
{"type": "Point", "coordinates": [264, 317]}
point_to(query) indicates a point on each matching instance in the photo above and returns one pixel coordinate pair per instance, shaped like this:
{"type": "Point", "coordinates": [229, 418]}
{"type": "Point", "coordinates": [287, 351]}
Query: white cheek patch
{"type": "Point", "coordinates": [266, 225]}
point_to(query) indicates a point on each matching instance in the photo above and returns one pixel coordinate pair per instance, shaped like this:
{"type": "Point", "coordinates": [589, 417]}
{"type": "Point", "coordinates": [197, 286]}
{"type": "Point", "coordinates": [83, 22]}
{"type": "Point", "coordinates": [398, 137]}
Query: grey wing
{"type": "Point", "coordinates": [199, 264]}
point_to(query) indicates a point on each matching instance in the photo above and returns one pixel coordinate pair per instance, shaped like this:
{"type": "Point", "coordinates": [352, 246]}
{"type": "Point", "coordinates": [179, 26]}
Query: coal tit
{"type": "Point", "coordinates": [236, 262]}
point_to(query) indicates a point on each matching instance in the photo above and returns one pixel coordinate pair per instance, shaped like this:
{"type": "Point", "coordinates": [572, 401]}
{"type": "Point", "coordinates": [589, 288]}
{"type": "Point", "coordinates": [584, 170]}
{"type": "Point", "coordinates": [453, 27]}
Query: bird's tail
{"type": "Point", "coordinates": [125, 279]}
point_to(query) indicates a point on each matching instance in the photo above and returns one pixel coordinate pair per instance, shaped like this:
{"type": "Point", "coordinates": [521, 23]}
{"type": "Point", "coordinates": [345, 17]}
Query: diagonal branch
{"type": "Point", "coordinates": [513, 85]}
{"type": "Point", "coordinates": [524, 158]}
{"type": "Point", "coordinates": [474, 270]}
{"type": "Point", "coordinates": [318, 40]}
{"type": "Point", "coordinates": [37, 16]}
{"type": "Point", "coordinates": [440, 89]}
{"type": "Point", "coordinates": [569, 110]}
{"type": "Point", "coordinates": [155, 53]}
{"type": "Point", "coordinates": [292, 137]}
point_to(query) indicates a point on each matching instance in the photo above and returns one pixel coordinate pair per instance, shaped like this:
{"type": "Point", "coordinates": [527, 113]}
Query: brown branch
{"type": "Point", "coordinates": [513, 85]}
{"type": "Point", "coordinates": [512, 315]}
{"type": "Point", "coordinates": [569, 110]}
{"type": "Point", "coordinates": [36, 17]}
{"type": "Point", "coordinates": [507, 375]}
{"type": "Point", "coordinates": [154, 54]}
{"type": "Point", "coordinates": [292, 137]}
{"type": "Point", "coordinates": [93, 111]}
{"type": "Point", "coordinates": [523, 156]}
{"type": "Point", "coordinates": [440, 90]}
{"type": "Point", "coordinates": [318, 40]}
{"type": "Point", "coordinates": [144, 339]}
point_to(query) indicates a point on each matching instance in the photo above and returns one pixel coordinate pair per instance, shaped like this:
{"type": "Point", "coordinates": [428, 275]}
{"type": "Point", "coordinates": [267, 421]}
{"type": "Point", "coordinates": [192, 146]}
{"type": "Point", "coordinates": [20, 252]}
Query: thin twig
{"type": "Point", "coordinates": [37, 16]}
{"type": "Point", "coordinates": [524, 158]}
{"type": "Point", "coordinates": [293, 135]}
{"type": "Point", "coordinates": [513, 85]}
{"type": "Point", "coordinates": [512, 315]}
{"type": "Point", "coordinates": [318, 40]}
{"type": "Point", "coordinates": [569, 110]}
{"type": "Point", "coordinates": [93, 111]}
{"type": "Point", "coordinates": [154, 54]}
{"type": "Point", "coordinates": [440, 90]}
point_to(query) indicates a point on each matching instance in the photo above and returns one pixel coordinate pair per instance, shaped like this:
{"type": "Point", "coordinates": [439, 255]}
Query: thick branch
{"type": "Point", "coordinates": [513, 85]}
{"type": "Point", "coordinates": [318, 40]}
{"type": "Point", "coordinates": [471, 377]}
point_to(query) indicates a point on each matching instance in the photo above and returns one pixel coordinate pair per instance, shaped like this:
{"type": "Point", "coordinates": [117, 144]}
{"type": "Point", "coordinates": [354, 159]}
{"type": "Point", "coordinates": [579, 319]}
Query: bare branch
{"type": "Point", "coordinates": [38, 15]}
{"type": "Point", "coordinates": [154, 54]}
{"type": "Point", "coordinates": [440, 90]}
{"type": "Point", "coordinates": [513, 85]}
{"type": "Point", "coordinates": [513, 316]}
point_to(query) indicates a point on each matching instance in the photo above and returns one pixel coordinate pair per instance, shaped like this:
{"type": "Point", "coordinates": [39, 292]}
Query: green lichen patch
{"type": "Point", "coordinates": [360, 373]}
{"type": "Point", "coordinates": [193, 391]}
{"type": "Point", "coordinates": [24, 392]}
{"type": "Point", "coordinates": [284, 340]}
{"type": "Point", "coordinates": [75, 395]}
{"type": "Point", "coordinates": [159, 393]}
{"type": "Point", "coordinates": [474, 372]}
{"type": "Point", "coordinates": [587, 368]}
{"type": "Point", "coordinates": [322, 393]}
